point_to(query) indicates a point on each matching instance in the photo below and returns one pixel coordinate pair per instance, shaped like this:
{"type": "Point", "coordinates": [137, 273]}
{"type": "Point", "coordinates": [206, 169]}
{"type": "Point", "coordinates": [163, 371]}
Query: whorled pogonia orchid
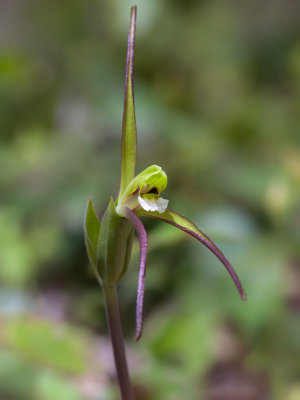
{"type": "Point", "coordinates": [109, 242]}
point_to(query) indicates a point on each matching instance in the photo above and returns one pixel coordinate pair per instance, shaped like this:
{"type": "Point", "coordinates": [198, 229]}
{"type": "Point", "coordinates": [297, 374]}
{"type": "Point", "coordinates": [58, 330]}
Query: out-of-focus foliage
{"type": "Point", "coordinates": [217, 88]}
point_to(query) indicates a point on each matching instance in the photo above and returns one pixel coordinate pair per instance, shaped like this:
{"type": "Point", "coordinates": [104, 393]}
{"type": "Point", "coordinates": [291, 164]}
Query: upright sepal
{"type": "Point", "coordinates": [175, 219]}
{"type": "Point", "coordinates": [129, 124]}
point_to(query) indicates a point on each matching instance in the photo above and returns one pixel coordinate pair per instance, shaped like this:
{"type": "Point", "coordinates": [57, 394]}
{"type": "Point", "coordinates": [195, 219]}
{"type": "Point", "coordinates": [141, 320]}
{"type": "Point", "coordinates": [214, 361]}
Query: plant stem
{"type": "Point", "coordinates": [117, 340]}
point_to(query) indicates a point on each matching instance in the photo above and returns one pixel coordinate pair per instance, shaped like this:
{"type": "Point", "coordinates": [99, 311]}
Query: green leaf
{"type": "Point", "coordinates": [129, 125]}
{"type": "Point", "coordinates": [91, 232]}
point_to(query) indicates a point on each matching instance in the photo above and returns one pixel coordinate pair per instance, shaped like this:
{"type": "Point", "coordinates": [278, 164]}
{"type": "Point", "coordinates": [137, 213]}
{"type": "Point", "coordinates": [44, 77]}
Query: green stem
{"type": "Point", "coordinates": [116, 335]}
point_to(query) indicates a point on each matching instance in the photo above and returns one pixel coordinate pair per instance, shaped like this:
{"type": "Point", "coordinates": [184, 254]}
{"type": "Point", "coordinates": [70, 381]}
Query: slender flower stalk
{"type": "Point", "coordinates": [116, 335]}
{"type": "Point", "coordinates": [109, 241]}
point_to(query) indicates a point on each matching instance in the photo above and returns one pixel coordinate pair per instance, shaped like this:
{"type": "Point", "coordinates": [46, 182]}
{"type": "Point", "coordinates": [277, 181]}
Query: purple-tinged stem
{"type": "Point", "coordinates": [117, 340]}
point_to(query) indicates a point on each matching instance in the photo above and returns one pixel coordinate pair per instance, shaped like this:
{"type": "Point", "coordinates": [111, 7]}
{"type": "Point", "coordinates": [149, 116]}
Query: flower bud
{"type": "Point", "coordinates": [114, 246]}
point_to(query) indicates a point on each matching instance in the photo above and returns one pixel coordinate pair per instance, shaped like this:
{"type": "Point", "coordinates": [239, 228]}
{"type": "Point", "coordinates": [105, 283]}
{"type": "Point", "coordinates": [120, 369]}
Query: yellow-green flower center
{"type": "Point", "coordinates": [144, 190]}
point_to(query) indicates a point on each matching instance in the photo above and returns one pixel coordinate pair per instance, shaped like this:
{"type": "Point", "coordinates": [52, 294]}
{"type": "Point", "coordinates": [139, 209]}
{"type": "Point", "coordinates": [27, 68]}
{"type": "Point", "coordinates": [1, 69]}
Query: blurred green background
{"type": "Point", "coordinates": [217, 90]}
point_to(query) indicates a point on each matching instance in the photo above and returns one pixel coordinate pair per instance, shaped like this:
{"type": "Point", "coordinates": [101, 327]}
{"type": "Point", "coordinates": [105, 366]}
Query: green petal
{"type": "Point", "coordinates": [129, 125]}
{"type": "Point", "coordinates": [151, 177]}
{"type": "Point", "coordinates": [91, 232]}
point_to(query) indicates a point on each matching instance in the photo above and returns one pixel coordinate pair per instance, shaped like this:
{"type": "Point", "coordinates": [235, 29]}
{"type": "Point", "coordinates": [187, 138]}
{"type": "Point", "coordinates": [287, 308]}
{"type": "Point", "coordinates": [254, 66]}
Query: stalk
{"type": "Point", "coordinates": [117, 340]}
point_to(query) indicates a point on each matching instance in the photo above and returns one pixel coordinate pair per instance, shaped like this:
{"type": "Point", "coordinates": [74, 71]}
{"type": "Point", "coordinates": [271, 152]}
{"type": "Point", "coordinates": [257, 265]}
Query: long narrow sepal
{"type": "Point", "coordinates": [129, 124]}
{"type": "Point", "coordinates": [175, 219]}
{"type": "Point", "coordinates": [143, 239]}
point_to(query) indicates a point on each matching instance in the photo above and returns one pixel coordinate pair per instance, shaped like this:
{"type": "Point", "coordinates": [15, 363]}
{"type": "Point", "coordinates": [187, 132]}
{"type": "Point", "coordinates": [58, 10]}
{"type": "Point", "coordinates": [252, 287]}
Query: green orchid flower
{"type": "Point", "coordinates": [109, 241]}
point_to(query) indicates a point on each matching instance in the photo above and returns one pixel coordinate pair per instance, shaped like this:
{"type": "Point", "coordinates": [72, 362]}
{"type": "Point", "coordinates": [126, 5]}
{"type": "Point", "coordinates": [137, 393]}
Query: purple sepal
{"type": "Point", "coordinates": [143, 239]}
{"type": "Point", "coordinates": [203, 238]}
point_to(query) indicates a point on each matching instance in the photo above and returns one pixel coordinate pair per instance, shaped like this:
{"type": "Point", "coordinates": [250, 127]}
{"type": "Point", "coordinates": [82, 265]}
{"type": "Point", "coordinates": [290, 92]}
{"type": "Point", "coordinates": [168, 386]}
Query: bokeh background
{"type": "Point", "coordinates": [217, 88]}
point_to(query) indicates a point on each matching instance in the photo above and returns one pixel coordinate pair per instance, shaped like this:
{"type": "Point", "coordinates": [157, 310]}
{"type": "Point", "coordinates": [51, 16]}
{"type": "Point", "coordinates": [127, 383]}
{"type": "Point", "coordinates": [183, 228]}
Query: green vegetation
{"type": "Point", "coordinates": [217, 89]}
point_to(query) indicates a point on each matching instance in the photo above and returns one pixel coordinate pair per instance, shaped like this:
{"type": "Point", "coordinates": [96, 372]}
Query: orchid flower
{"type": "Point", "coordinates": [109, 241]}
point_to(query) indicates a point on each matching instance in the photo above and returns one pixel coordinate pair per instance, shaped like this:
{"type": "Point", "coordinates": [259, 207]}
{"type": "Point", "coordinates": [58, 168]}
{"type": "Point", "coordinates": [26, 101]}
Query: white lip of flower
{"type": "Point", "coordinates": [159, 205]}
